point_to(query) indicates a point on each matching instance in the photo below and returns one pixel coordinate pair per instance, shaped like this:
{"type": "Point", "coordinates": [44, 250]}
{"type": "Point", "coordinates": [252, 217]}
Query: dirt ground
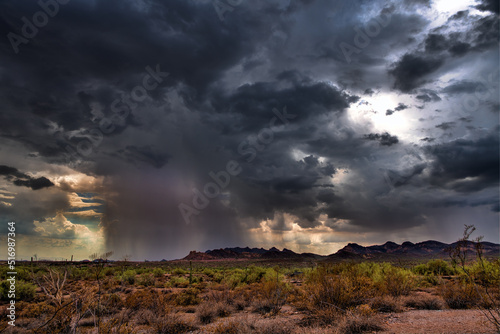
{"type": "Point", "coordinates": [434, 322]}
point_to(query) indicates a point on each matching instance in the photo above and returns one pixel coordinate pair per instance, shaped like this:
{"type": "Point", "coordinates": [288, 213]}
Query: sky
{"type": "Point", "coordinates": [152, 128]}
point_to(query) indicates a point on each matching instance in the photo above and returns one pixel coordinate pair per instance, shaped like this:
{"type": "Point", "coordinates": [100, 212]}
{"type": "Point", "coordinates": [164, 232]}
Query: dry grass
{"type": "Point", "coordinates": [386, 304]}
{"type": "Point", "coordinates": [355, 324]}
{"type": "Point", "coordinates": [273, 326]}
{"type": "Point", "coordinates": [205, 313]}
{"type": "Point", "coordinates": [171, 324]}
{"type": "Point", "coordinates": [424, 301]}
{"type": "Point", "coordinates": [459, 296]}
{"type": "Point", "coordinates": [229, 327]}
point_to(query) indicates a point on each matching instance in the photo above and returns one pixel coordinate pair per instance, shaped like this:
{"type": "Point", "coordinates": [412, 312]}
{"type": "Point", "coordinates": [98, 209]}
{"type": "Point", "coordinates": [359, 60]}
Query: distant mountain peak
{"type": "Point", "coordinates": [429, 248]}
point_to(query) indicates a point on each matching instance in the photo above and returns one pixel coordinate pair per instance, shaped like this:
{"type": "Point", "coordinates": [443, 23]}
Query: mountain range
{"type": "Point", "coordinates": [430, 249]}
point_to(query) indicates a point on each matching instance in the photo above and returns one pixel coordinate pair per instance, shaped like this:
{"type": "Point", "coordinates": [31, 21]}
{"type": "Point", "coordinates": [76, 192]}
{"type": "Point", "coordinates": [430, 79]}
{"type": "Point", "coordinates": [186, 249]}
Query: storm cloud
{"type": "Point", "coordinates": [21, 179]}
{"type": "Point", "coordinates": [127, 111]}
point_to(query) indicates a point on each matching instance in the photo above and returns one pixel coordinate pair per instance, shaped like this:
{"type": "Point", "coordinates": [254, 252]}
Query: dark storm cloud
{"type": "Point", "coordinates": [459, 48]}
{"type": "Point", "coordinates": [411, 70]}
{"type": "Point", "coordinates": [253, 103]}
{"type": "Point", "coordinates": [489, 5]}
{"type": "Point", "coordinates": [466, 165]}
{"type": "Point", "coordinates": [428, 96]}
{"type": "Point", "coordinates": [20, 179]}
{"type": "Point", "coordinates": [134, 154]}
{"type": "Point", "coordinates": [426, 3]}
{"type": "Point", "coordinates": [416, 68]}
{"type": "Point", "coordinates": [369, 92]}
{"type": "Point", "coordinates": [446, 125]}
{"type": "Point", "coordinates": [467, 119]}
{"type": "Point", "coordinates": [436, 43]}
{"type": "Point", "coordinates": [459, 15]}
{"type": "Point", "coordinates": [464, 87]}
{"type": "Point", "coordinates": [35, 184]}
{"type": "Point", "coordinates": [427, 139]}
{"type": "Point", "coordinates": [103, 56]}
{"type": "Point", "coordinates": [385, 139]}
{"type": "Point", "coordinates": [399, 107]}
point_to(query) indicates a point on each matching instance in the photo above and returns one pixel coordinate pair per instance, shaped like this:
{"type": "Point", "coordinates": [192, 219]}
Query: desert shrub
{"type": "Point", "coordinates": [399, 281]}
{"type": "Point", "coordinates": [459, 295]}
{"type": "Point", "coordinates": [112, 303]}
{"type": "Point", "coordinates": [340, 291]}
{"type": "Point", "coordinates": [142, 299]}
{"type": "Point", "coordinates": [273, 295]}
{"type": "Point", "coordinates": [108, 271]}
{"type": "Point", "coordinates": [434, 267]}
{"type": "Point", "coordinates": [144, 317]}
{"type": "Point", "coordinates": [128, 276]}
{"type": "Point", "coordinates": [205, 313]}
{"type": "Point", "coordinates": [228, 327]}
{"type": "Point", "coordinates": [24, 290]}
{"type": "Point", "coordinates": [141, 271]}
{"type": "Point", "coordinates": [235, 278]}
{"type": "Point", "coordinates": [273, 326]}
{"type": "Point", "coordinates": [146, 279]}
{"type": "Point", "coordinates": [223, 309]}
{"type": "Point", "coordinates": [178, 282]}
{"type": "Point", "coordinates": [240, 303]}
{"type": "Point", "coordinates": [209, 272]}
{"type": "Point", "coordinates": [78, 273]}
{"type": "Point", "coordinates": [158, 272]}
{"type": "Point", "coordinates": [425, 302]}
{"type": "Point", "coordinates": [179, 271]}
{"type": "Point", "coordinates": [171, 324]}
{"type": "Point", "coordinates": [325, 316]}
{"type": "Point", "coordinates": [218, 277]}
{"type": "Point", "coordinates": [224, 295]}
{"type": "Point", "coordinates": [486, 272]}
{"type": "Point", "coordinates": [354, 324]}
{"type": "Point", "coordinates": [187, 297]}
{"type": "Point", "coordinates": [430, 280]}
{"type": "Point", "coordinates": [386, 304]}
{"type": "Point", "coordinates": [254, 274]}
{"type": "Point", "coordinates": [36, 310]}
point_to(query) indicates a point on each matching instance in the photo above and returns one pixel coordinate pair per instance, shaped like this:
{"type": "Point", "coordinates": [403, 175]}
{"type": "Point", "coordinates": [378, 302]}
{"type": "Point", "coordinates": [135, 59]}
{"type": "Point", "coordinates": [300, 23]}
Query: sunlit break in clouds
{"type": "Point", "coordinates": [153, 128]}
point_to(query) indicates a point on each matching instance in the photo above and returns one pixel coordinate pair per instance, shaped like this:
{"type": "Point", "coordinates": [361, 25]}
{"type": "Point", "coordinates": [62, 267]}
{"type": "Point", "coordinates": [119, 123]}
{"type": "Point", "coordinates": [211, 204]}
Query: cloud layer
{"type": "Point", "coordinates": [347, 121]}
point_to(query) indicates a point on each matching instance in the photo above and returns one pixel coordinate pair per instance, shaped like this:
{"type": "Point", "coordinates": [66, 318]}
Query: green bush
{"type": "Point", "coordinates": [209, 272]}
{"type": "Point", "coordinates": [486, 272]}
{"type": "Point", "coordinates": [146, 279]}
{"type": "Point", "coordinates": [187, 297]}
{"type": "Point", "coordinates": [128, 276]}
{"type": "Point", "coordinates": [179, 271]}
{"type": "Point", "coordinates": [434, 267]}
{"type": "Point", "coordinates": [158, 272]}
{"type": "Point", "coordinates": [108, 271]}
{"type": "Point", "coordinates": [24, 290]}
{"type": "Point", "coordinates": [399, 281]}
{"type": "Point", "coordinates": [178, 282]}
